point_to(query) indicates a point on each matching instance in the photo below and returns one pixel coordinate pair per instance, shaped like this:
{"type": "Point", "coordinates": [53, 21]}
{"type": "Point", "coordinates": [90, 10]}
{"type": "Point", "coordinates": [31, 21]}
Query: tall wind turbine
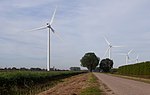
{"type": "Point", "coordinates": [109, 49]}
{"type": "Point", "coordinates": [50, 29]}
{"type": "Point", "coordinates": [127, 56]}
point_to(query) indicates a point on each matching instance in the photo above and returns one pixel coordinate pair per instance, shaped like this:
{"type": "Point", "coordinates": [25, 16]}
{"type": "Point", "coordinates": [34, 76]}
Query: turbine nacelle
{"type": "Point", "coordinates": [48, 25]}
{"type": "Point", "coordinates": [110, 46]}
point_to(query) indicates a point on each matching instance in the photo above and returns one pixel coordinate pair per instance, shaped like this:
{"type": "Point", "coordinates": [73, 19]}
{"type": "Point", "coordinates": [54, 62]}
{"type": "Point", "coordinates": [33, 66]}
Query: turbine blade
{"type": "Point", "coordinates": [117, 46]}
{"type": "Point", "coordinates": [130, 51]}
{"type": "Point", "coordinates": [40, 28]}
{"type": "Point", "coordinates": [53, 16]}
{"type": "Point", "coordinates": [57, 34]}
{"type": "Point", "coordinates": [52, 29]}
{"type": "Point", "coordinates": [105, 52]}
{"type": "Point", "coordinates": [107, 41]}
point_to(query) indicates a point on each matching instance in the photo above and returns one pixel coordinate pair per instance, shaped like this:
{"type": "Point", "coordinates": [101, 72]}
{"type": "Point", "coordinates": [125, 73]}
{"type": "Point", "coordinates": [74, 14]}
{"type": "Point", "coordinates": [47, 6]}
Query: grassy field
{"type": "Point", "coordinates": [30, 82]}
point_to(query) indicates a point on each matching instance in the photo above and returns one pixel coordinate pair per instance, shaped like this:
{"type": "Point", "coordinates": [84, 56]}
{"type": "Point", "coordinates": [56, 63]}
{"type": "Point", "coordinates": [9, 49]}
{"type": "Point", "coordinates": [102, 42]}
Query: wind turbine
{"type": "Point", "coordinates": [137, 59]}
{"type": "Point", "coordinates": [109, 49]}
{"type": "Point", "coordinates": [50, 29]}
{"type": "Point", "coordinates": [127, 56]}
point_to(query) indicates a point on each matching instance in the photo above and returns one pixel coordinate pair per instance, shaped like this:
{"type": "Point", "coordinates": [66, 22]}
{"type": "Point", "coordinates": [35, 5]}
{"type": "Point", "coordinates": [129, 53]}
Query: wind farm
{"type": "Point", "coordinates": [102, 37]}
{"type": "Point", "coordinates": [77, 38]}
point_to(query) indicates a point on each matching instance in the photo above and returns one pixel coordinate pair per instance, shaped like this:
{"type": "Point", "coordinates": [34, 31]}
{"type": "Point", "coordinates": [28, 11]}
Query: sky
{"type": "Point", "coordinates": [82, 24]}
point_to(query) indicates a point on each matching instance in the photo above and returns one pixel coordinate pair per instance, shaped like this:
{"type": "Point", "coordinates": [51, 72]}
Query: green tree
{"type": "Point", "coordinates": [106, 65]}
{"type": "Point", "coordinates": [90, 60]}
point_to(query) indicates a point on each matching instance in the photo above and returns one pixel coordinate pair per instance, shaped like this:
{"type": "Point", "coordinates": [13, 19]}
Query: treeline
{"type": "Point", "coordinates": [140, 69]}
{"type": "Point", "coordinates": [29, 69]}
{"type": "Point", "coordinates": [91, 61]}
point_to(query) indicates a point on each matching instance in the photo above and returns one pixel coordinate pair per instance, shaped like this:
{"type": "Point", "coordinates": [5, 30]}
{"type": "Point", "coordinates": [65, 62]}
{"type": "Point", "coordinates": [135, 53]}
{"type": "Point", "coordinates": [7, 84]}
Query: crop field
{"type": "Point", "coordinates": [139, 70]}
{"type": "Point", "coordinates": [30, 82]}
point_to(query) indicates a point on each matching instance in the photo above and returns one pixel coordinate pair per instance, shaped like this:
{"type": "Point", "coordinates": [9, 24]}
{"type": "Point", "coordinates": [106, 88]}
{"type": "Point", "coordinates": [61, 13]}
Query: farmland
{"type": "Point", "coordinates": [138, 70]}
{"type": "Point", "coordinates": [30, 82]}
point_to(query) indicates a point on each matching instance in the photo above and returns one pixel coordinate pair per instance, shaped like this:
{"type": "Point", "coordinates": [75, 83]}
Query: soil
{"type": "Point", "coordinates": [70, 86]}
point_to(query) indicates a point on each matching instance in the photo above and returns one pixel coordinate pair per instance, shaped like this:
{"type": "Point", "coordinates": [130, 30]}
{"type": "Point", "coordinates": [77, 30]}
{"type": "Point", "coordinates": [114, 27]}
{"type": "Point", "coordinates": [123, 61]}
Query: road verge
{"type": "Point", "coordinates": [132, 78]}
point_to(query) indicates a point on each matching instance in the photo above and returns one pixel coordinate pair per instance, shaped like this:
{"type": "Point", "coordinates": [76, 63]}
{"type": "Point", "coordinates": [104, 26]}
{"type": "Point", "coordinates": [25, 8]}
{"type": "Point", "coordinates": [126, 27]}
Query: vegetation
{"type": "Point", "coordinates": [29, 82]}
{"type": "Point", "coordinates": [27, 69]}
{"type": "Point", "coordinates": [114, 70]}
{"type": "Point", "coordinates": [90, 60]}
{"type": "Point", "coordinates": [92, 87]}
{"type": "Point", "coordinates": [139, 69]}
{"type": "Point", "coordinates": [106, 65]}
{"type": "Point", "coordinates": [75, 68]}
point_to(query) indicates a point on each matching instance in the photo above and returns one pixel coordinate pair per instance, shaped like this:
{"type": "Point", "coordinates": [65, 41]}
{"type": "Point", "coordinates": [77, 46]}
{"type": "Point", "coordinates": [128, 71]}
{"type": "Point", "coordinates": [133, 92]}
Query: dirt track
{"type": "Point", "coordinates": [71, 86]}
{"type": "Point", "coordinates": [120, 86]}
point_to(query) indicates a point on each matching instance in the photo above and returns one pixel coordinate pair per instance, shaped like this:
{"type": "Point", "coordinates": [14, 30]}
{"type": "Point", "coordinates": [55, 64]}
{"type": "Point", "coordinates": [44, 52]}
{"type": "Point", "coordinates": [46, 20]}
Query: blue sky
{"type": "Point", "coordinates": [82, 25]}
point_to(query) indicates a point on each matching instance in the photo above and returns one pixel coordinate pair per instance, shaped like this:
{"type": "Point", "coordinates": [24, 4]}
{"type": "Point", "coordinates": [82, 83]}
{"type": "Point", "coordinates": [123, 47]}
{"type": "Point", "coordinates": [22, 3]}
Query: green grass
{"type": "Point", "coordinates": [30, 82]}
{"type": "Point", "coordinates": [92, 86]}
{"type": "Point", "coordinates": [91, 91]}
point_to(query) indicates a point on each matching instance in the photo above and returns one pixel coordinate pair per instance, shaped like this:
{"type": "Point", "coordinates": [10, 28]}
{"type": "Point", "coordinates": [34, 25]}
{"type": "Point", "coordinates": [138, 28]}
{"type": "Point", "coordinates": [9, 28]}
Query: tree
{"type": "Point", "coordinates": [90, 60]}
{"type": "Point", "coordinates": [106, 65]}
{"type": "Point", "coordinates": [75, 68]}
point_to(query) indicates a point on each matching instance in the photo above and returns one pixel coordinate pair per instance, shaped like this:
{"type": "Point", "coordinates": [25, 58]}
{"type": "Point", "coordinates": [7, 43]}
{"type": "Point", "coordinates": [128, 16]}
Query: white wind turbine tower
{"type": "Point", "coordinates": [50, 29]}
{"type": "Point", "coordinates": [109, 49]}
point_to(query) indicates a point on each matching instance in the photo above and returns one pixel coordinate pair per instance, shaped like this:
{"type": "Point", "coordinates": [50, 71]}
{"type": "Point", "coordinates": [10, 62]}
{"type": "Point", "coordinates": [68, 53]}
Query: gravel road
{"type": "Point", "coordinates": [121, 86]}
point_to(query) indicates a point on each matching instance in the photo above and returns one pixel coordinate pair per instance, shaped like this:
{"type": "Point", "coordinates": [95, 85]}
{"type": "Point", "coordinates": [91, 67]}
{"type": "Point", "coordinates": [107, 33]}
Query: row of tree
{"type": "Point", "coordinates": [91, 61]}
{"type": "Point", "coordinates": [29, 69]}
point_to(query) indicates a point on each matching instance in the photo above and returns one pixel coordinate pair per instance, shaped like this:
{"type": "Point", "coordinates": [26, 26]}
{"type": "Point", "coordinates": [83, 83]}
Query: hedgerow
{"type": "Point", "coordinates": [139, 69]}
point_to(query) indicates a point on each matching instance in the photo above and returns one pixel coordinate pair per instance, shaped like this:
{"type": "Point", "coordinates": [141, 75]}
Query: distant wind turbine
{"type": "Point", "coordinates": [50, 28]}
{"type": "Point", "coordinates": [127, 55]}
{"type": "Point", "coordinates": [109, 49]}
{"type": "Point", "coordinates": [137, 59]}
